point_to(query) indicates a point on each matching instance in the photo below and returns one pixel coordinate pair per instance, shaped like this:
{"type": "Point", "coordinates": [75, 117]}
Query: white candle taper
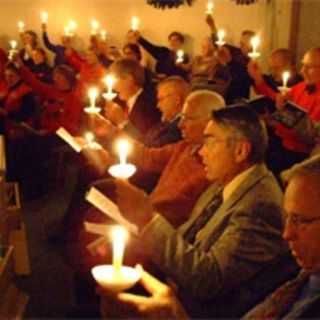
{"type": "Point", "coordinates": [93, 94]}
{"type": "Point", "coordinates": [285, 78]}
{"type": "Point", "coordinates": [95, 25]}
{"type": "Point", "coordinates": [119, 236]}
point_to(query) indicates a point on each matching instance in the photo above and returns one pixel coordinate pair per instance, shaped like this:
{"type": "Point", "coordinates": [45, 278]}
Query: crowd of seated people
{"type": "Point", "coordinates": [206, 197]}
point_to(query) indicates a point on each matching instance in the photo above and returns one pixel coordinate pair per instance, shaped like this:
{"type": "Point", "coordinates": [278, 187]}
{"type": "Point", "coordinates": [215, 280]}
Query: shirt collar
{"type": "Point", "coordinates": [235, 183]}
{"type": "Point", "coordinates": [132, 100]}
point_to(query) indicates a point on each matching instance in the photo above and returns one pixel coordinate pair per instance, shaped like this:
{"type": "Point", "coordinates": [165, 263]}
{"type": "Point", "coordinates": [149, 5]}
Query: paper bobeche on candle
{"type": "Point", "coordinates": [108, 278]}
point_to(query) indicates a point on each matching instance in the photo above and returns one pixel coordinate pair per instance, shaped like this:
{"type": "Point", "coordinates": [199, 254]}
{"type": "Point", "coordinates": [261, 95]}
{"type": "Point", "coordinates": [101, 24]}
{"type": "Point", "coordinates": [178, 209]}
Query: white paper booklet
{"type": "Point", "coordinates": [108, 207]}
{"type": "Point", "coordinates": [68, 138]}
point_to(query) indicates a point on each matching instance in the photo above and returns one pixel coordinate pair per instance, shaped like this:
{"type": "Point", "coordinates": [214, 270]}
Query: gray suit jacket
{"type": "Point", "coordinates": [241, 238]}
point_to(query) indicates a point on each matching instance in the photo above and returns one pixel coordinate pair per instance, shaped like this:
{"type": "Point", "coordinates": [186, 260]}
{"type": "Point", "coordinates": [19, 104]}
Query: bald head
{"type": "Point", "coordinates": [196, 113]}
{"type": "Point", "coordinates": [311, 66]}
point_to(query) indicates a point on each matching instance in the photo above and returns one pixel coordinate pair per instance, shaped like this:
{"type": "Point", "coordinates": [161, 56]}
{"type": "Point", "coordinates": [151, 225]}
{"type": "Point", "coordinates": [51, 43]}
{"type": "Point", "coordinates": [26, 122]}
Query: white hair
{"type": "Point", "coordinates": [207, 101]}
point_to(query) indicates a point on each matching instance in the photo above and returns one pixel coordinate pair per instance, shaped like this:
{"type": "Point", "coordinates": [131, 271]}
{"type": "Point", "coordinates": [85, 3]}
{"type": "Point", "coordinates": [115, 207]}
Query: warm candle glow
{"type": "Point", "coordinates": [93, 94]}
{"type": "Point", "coordinates": [89, 136]}
{"type": "Point", "coordinates": [119, 236]}
{"type": "Point", "coordinates": [95, 25]}
{"type": "Point", "coordinates": [180, 55]}
{"type": "Point", "coordinates": [255, 42]}
{"type": "Point", "coordinates": [13, 44]}
{"type": "Point", "coordinates": [21, 26]}
{"type": "Point", "coordinates": [210, 6]}
{"type": "Point", "coordinates": [72, 25]}
{"type": "Point", "coordinates": [44, 17]}
{"type": "Point", "coordinates": [103, 35]}
{"type": "Point", "coordinates": [123, 148]}
{"type": "Point", "coordinates": [285, 78]}
{"type": "Point", "coordinates": [109, 80]}
{"type": "Point", "coordinates": [221, 34]}
{"type": "Point", "coordinates": [135, 23]}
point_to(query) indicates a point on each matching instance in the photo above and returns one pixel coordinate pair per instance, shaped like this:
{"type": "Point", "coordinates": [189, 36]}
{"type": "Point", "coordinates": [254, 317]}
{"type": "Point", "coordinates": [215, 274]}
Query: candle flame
{"type": "Point", "coordinates": [21, 26]}
{"type": "Point", "coordinates": [44, 16]}
{"type": "Point", "coordinates": [210, 6]}
{"type": "Point", "coordinates": [103, 34]}
{"type": "Point", "coordinates": [95, 25]}
{"type": "Point", "coordinates": [255, 42]}
{"type": "Point", "coordinates": [93, 94]}
{"type": "Point", "coordinates": [221, 35]}
{"type": "Point", "coordinates": [123, 147]}
{"type": "Point", "coordinates": [13, 44]}
{"type": "Point", "coordinates": [285, 78]}
{"type": "Point", "coordinates": [135, 23]}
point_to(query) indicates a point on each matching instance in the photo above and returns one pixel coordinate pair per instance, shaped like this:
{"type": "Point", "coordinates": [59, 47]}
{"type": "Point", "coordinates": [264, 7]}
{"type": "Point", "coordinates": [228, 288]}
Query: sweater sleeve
{"type": "Point", "coordinates": [157, 52]}
{"type": "Point", "coordinates": [49, 45]}
{"type": "Point", "coordinates": [264, 89]}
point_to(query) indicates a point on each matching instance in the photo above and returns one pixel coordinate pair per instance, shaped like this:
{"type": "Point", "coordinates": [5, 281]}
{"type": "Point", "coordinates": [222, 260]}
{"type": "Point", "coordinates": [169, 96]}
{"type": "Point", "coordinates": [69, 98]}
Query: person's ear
{"type": "Point", "coordinates": [242, 151]}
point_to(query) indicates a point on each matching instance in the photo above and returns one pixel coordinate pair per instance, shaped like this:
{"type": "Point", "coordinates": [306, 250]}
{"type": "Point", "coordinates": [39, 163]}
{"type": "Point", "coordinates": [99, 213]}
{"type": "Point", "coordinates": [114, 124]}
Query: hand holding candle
{"type": "Point", "coordinates": [13, 49]}
{"type": "Point", "coordinates": [117, 277]}
{"type": "Point", "coordinates": [90, 141]}
{"type": "Point", "coordinates": [255, 42]}
{"type": "Point", "coordinates": [123, 170]}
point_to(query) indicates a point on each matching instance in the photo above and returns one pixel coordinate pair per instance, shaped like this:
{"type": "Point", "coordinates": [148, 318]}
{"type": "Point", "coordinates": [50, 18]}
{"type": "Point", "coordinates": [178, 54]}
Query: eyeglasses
{"type": "Point", "coordinates": [298, 220]}
{"type": "Point", "coordinates": [184, 117]}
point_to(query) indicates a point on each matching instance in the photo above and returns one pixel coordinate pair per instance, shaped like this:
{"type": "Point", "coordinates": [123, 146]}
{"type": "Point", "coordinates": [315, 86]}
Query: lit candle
{"type": "Point", "coordinates": [210, 6]}
{"type": "Point", "coordinates": [109, 81]}
{"type": "Point", "coordinates": [285, 78]}
{"type": "Point", "coordinates": [123, 170]}
{"type": "Point", "coordinates": [91, 143]}
{"type": "Point", "coordinates": [44, 17]}
{"type": "Point", "coordinates": [103, 35]}
{"type": "Point", "coordinates": [135, 23]}
{"type": "Point", "coordinates": [221, 35]}
{"type": "Point", "coordinates": [72, 26]}
{"type": "Point", "coordinates": [95, 25]}
{"type": "Point", "coordinates": [119, 236]}
{"type": "Point", "coordinates": [21, 26]}
{"type": "Point", "coordinates": [255, 42]}
{"type": "Point", "coordinates": [93, 94]}
{"type": "Point", "coordinates": [13, 49]}
{"type": "Point", "coordinates": [117, 277]}
{"type": "Point", "coordinates": [180, 55]}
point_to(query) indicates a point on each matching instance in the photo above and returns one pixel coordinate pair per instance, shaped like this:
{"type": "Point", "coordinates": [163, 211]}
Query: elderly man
{"type": "Point", "coordinates": [296, 299]}
{"type": "Point", "coordinates": [234, 233]}
{"type": "Point", "coordinates": [182, 177]}
{"type": "Point", "coordinates": [171, 94]}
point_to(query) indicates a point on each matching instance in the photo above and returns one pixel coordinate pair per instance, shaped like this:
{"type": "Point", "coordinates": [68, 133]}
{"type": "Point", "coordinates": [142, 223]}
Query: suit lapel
{"type": "Point", "coordinates": [209, 230]}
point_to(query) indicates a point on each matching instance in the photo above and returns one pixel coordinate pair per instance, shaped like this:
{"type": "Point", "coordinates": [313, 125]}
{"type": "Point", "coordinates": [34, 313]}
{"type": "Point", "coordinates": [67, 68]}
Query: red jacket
{"type": "Point", "coordinates": [310, 102]}
{"type": "Point", "coordinates": [62, 108]}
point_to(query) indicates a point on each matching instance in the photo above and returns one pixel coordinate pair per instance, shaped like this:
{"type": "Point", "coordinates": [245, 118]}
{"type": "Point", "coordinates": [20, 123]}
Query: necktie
{"type": "Point", "coordinates": [276, 305]}
{"type": "Point", "coordinates": [204, 217]}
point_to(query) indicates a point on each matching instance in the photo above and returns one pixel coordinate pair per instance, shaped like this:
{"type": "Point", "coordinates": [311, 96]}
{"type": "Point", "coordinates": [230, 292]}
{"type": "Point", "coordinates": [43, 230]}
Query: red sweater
{"type": "Point", "coordinates": [182, 179]}
{"type": "Point", "coordinates": [310, 102]}
{"type": "Point", "coordinates": [62, 108]}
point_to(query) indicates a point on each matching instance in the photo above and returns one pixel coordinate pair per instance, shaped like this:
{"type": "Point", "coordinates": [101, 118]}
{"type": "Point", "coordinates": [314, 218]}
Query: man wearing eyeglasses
{"type": "Point", "coordinates": [223, 258]}
{"type": "Point", "coordinates": [298, 298]}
